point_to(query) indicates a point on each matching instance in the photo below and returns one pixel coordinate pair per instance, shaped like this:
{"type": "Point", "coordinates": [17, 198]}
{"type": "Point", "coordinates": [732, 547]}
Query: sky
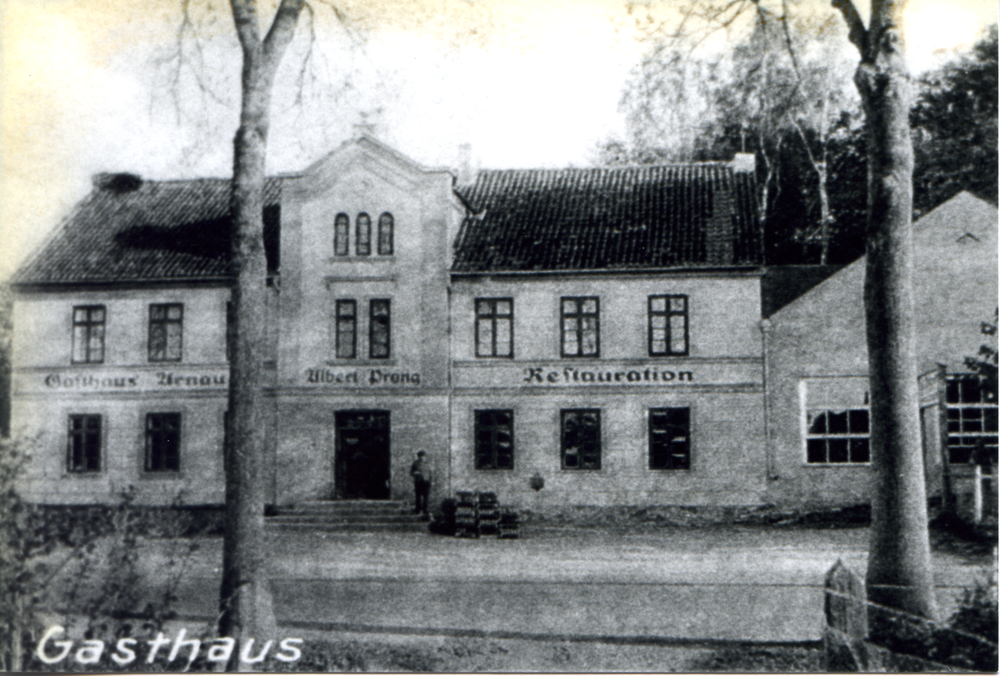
{"type": "Point", "coordinates": [86, 86]}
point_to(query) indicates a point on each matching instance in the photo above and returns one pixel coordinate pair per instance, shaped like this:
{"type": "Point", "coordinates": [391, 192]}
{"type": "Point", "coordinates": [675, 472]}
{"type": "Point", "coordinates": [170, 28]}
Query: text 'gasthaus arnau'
{"type": "Point", "coordinates": [127, 650]}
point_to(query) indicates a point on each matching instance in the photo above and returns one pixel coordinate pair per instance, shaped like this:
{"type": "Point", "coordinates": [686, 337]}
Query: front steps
{"type": "Point", "coordinates": [347, 515]}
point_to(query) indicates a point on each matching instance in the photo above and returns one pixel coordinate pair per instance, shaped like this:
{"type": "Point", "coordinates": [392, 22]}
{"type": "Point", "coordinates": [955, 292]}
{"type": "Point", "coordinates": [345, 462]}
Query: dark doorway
{"type": "Point", "coordinates": [362, 461]}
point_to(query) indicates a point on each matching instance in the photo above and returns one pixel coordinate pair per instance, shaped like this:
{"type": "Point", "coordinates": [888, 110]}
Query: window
{"type": "Point", "coordinates": [581, 438]}
{"type": "Point", "coordinates": [165, 331]}
{"type": "Point", "coordinates": [668, 325]}
{"type": "Point", "coordinates": [972, 418]}
{"type": "Point", "coordinates": [669, 438]}
{"type": "Point", "coordinates": [83, 452]}
{"type": "Point", "coordinates": [837, 436]}
{"type": "Point", "coordinates": [385, 224]}
{"type": "Point", "coordinates": [580, 327]}
{"type": "Point", "coordinates": [363, 236]}
{"type": "Point", "coordinates": [378, 329]}
{"type": "Point", "coordinates": [347, 329]}
{"type": "Point", "coordinates": [494, 327]}
{"type": "Point", "coordinates": [494, 439]}
{"type": "Point", "coordinates": [163, 442]}
{"type": "Point", "coordinates": [341, 230]}
{"type": "Point", "coordinates": [88, 334]}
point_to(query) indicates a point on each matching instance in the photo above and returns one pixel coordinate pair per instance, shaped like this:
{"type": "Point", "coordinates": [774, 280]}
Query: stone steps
{"type": "Point", "coordinates": [347, 515]}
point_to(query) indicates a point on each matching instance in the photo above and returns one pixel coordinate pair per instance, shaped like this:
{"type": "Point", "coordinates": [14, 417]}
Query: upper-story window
{"type": "Point", "coordinates": [341, 232]}
{"type": "Point", "coordinates": [83, 452]}
{"type": "Point", "coordinates": [378, 329]}
{"type": "Point", "coordinates": [363, 235]}
{"type": "Point", "coordinates": [581, 326]}
{"type": "Point", "coordinates": [668, 325]}
{"type": "Point", "coordinates": [494, 327]}
{"type": "Point", "coordinates": [347, 328]}
{"type": "Point", "coordinates": [88, 334]}
{"type": "Point", "coordinates": [385, 226]}
{"type": "Point", "coordinates": [166, 331]}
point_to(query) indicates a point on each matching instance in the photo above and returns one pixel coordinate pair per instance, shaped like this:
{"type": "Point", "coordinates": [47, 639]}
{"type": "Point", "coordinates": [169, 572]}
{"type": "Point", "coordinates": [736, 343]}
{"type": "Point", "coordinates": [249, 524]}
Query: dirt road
{"type": "Point", "coordinates": [669, 585]}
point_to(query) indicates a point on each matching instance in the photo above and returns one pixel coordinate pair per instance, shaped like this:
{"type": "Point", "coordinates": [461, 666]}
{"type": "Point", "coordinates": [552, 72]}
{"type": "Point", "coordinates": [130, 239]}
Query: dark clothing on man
{"type": "Point", "coordinates": [420, 470]}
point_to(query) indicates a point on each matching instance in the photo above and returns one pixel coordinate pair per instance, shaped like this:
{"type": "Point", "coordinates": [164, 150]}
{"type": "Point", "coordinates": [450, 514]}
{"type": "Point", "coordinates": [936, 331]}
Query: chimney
{"type": "Point", "coordinates": [744, 162]}
{"type": "Point", "coordinates": [464, 163]}
{"type": "Point", "coordinates": [117, 183]}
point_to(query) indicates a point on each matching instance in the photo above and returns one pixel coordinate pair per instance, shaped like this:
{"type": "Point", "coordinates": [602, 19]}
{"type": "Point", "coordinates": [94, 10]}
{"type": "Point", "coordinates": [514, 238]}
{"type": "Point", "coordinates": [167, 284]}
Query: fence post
{"type": "Point", "coordinates": [846, 620]}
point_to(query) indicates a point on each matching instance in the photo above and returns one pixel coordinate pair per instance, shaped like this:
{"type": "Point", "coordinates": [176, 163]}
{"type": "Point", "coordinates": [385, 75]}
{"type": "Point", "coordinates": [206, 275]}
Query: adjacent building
{"type": "Point", "coordinates": [576, 336]}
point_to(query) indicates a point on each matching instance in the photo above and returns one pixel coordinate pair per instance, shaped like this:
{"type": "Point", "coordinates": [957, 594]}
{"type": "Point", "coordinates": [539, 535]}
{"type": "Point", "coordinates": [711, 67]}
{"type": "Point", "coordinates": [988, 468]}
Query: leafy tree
{"type": "Point", "coordinates": [245, 596]}
{"type": "Point", "coordinates": [899, 573]}
{"type": "Point", "coordinates": [955, 128]}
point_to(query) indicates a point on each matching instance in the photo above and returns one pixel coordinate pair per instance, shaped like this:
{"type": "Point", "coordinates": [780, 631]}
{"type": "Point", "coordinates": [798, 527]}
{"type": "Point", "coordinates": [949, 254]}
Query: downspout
{"type": "Point", "coordinates": [765, 327]}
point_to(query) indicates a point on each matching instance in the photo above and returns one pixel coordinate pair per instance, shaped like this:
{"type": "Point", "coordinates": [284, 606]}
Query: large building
{"type": "Point", "coordinates": [597, 332]}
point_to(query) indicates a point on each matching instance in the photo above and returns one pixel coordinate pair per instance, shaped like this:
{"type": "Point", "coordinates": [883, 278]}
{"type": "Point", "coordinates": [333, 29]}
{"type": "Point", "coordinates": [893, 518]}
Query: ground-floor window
{"type": "Point", "coordinates": [972, 418]}
{"type": "Point", "coordinates": [581, 438]}
{"type": "Point", "coordinates": [163, 442]}
{"type": "Point", "coordinates": [495, 439]}
{"type": "Point", "coordinates": [84, 448]}
{"type": "Point", "coordinates": [837, 436]}
{"type": "Point", "coordinates": [670, 438]}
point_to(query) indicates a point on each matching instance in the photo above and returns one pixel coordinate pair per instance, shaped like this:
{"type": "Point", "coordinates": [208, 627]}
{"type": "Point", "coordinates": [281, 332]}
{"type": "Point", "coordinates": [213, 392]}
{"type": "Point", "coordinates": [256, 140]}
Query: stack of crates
{"type": "Point", "coordinates": [466, 514]}
{"type": "Point", "coordinates": [489, 513]}
{"type": "Point", "coordinates": [507, 525]}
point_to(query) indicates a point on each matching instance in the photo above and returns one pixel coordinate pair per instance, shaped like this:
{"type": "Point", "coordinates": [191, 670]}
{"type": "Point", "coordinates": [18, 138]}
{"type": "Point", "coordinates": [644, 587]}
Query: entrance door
{"type": "Point", "coordinates": [362, 460]}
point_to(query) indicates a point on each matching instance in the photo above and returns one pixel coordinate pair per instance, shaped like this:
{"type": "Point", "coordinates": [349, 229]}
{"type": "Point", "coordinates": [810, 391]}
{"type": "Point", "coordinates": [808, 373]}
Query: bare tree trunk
{"type": "Point", "coordinates": [899, 572]}
{"type": "Point", "coordinates": [245, 597]}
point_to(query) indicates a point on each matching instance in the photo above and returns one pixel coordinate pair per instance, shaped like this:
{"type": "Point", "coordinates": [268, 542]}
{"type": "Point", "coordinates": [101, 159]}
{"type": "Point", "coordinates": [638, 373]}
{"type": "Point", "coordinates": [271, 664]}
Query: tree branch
{"type": "Point", "coordinates": [245, 18]}
{"type": "Point", "coordinates": [857, 33]}
{"type": "Point", "coordinates": [282, 31]}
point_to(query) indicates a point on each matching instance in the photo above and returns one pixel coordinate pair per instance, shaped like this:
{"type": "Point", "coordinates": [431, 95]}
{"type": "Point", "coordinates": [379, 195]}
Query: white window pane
{"type": "Point", "coordinates": [658, 304]}
{"type": "Point", "coordinates": [503, 337]}
{"type": "Point", "coordinates": [590, 306]}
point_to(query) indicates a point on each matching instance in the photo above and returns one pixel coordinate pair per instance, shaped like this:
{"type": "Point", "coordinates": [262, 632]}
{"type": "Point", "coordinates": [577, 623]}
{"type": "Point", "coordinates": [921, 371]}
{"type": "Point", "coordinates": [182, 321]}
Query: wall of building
{"type": "Point", "coordinates": [820, 338]}
{"type": "Point", "coordinates": [720, 381]}
{"type": "Point", "coordinates": [412, 383]}
{"type": "Point", "coordinates": [48, 388]}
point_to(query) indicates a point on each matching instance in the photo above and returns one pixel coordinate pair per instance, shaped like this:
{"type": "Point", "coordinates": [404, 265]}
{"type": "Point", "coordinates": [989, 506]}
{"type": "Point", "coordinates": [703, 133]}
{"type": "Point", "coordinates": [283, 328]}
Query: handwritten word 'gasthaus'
{"type": "Point", "coordinates": [221, 649]}
{"type": "Point", "coordinates": [570, 375]}
{"type": "Point", "coordinates": [369, 377]}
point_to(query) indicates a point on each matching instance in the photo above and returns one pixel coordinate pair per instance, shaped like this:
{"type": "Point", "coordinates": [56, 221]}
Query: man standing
{"type": "Point", "coordinates": [420, 470]}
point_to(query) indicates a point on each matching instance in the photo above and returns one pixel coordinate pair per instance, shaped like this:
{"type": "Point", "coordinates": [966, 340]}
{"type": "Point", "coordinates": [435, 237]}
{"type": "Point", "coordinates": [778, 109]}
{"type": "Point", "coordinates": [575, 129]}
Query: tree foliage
{"type": "Point", "coordinates": [955, 128]}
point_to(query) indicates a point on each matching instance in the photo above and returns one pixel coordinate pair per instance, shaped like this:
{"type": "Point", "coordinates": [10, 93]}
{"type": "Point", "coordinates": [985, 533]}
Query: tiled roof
{"type": "Point", "coordinates": [131, 230]}
{"type": "Point", "coordinates": [700, 215]}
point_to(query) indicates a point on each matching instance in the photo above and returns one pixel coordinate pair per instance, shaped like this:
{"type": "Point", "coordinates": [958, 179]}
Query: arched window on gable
{"type": "Point", "coordinates": [363, 236]}
{"type": "Point", "coordinates": [341, 230]}
{"type": "Point", "coordinates": [385, 224]}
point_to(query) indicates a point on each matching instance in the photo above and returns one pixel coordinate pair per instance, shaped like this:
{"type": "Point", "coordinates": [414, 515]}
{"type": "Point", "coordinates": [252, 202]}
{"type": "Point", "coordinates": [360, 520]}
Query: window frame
{"type": "Point", "coordinates": [494, 318]}
{"type": "Point", "coordinates": [372, 326]}
{"type": "Point", "coordinates": [176, 419]}
{"type": "Point", "coordinates": [963, 411]}
{"type": "Point", "coordinates": [338, 320]}
{"type": "Point", "coordinates": [579, 314]}
{"type": "Point", "coordinates": [165, 322]}
{"type": "Point", "coordinates": [385, 232]}
{"type": "Point", "coordinates": [84, 435]}
{"type": "Point", "coordinates": [827, 436]}
{"type": "Point", "coordinates": [363, 234]}
{"type": "Point", "coordinates": [88, 326]}
{"type": "Point", "coordinates": [667, 313]}
{"type": "Point", "coordinates": [668, 466]}
{"type": "Point", "coordinates": [564, 414]}
{"type": "Point", "coordinates": [479, 428]}
{"type": "Point", "coordinates": [341, 234]}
